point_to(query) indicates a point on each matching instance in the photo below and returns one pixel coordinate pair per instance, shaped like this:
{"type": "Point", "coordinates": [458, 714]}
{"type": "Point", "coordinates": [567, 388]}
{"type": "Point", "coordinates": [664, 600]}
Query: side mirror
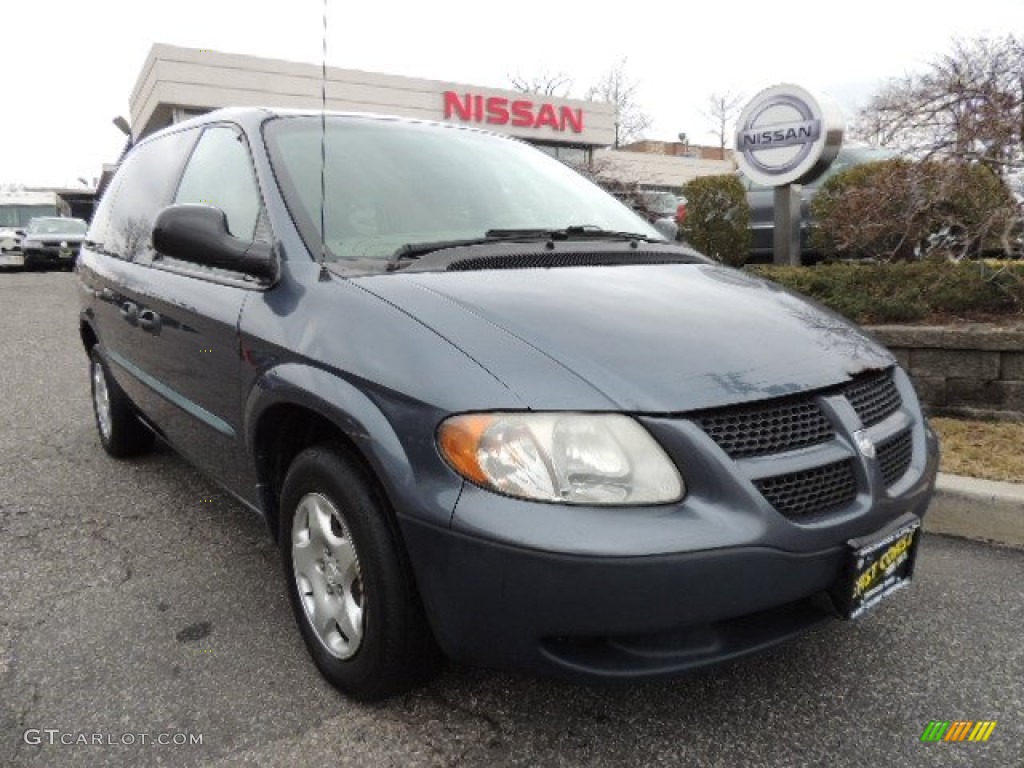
{"type": "Point", "coordinates": [667, 228]}
{"type": "Point", "coordinates": [199, 234]}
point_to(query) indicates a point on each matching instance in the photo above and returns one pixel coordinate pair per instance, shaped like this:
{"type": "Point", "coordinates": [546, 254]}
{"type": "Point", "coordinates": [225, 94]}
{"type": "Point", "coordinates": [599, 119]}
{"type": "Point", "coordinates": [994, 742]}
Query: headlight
{"type": "Point", "coordinates": [601, 459]}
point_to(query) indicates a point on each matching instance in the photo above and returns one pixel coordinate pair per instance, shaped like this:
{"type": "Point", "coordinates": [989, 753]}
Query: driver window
{"type": "Point", "coordinates": [220, 174]}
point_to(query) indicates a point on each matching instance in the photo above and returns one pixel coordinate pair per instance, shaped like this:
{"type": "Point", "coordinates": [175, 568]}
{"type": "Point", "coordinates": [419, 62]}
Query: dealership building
{"type": "Point", "coordinates": [177, 83]}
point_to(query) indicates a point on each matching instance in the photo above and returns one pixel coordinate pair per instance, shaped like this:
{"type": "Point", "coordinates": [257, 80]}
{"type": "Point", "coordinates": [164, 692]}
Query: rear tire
{"type": "Point", "coordinates": [121, 433]}
{"type": "Point", "coordinates": [349, 579]}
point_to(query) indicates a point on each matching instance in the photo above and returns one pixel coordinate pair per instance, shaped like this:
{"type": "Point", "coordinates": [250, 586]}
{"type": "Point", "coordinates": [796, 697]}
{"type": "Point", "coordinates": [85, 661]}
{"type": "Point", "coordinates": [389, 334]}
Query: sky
{"type": "Point", "coordinates": [68, 66]}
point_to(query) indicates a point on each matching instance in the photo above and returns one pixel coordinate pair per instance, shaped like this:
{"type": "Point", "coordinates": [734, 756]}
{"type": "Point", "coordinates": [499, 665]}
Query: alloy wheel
{"type": "Point", "coordinates": [327, 575]}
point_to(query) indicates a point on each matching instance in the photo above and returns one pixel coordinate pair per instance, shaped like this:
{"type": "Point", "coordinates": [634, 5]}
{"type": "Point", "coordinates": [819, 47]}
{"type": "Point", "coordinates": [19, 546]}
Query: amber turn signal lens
{"type": "Point", "coordinates": [459, 439]}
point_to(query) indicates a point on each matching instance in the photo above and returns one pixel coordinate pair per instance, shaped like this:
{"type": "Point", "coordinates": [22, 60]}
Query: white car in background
{"type": "Point", "coordinates": [10, 247]}
{"type": "Point", "coordinates": [10, 239]}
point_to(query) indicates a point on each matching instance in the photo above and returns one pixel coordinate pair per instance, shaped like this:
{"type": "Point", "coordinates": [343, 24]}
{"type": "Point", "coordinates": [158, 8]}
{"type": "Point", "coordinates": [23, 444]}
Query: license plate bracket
{"type": "Point", "coordinates": [877, 566]}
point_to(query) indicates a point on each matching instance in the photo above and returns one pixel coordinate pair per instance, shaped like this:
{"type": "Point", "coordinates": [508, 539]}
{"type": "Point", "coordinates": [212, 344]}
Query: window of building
{"type": "Point", "coordinates": [568, 154]}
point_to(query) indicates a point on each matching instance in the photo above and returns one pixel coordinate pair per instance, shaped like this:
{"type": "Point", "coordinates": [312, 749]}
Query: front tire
{"type": "Point", "coordinates": [349, 580]}
{"type": "Point", "coordinates": [121, 433]}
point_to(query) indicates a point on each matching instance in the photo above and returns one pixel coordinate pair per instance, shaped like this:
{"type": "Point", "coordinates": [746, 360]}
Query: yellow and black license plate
{"type": "Point", "coordinates": [879, 565]}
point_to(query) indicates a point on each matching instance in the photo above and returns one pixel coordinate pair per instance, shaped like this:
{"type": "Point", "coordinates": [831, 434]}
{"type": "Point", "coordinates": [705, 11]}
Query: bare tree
{"type": "Point", "coordinates": [722, 111]}
{"type": "Point", "coordinates": [617, 88]}
{"type": "Point", "coordinates": [967, 104]}
{"type": "Point", "coordinates": [556, 84]}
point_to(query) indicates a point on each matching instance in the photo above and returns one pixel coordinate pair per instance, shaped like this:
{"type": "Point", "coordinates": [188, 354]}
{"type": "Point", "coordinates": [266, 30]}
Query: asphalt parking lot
{"type": "Point", "coordinates": [136, 598]}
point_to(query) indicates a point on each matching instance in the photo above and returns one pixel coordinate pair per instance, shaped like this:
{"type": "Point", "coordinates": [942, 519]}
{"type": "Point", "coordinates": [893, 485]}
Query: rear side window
{"type": "Point", "coordinates": [220, 174]}
{"type": "Point", "coordinates": [123, 223]}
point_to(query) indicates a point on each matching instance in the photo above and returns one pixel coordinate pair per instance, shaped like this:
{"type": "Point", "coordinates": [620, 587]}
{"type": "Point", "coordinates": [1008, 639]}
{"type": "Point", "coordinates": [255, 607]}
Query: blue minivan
{"type": "Point", "coordinates": [485, 409]}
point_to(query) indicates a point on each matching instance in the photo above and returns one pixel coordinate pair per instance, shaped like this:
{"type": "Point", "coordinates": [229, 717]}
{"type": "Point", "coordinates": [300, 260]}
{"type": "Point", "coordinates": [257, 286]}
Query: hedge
{"type": "Point", "coordinates": [717, 216]}
{"type": "Point", "coordinates": [930, 290]}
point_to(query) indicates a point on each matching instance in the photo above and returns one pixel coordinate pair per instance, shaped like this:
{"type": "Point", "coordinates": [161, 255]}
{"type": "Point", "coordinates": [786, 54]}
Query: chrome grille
{"type": "Point", "coordinates": [894, 456]}
{"type": "Point", "coordinates": [811, 492]}
{"type": "Point", "coordinates": [873, 397]}
{"type": "Point", "coordinates": [758, 431]}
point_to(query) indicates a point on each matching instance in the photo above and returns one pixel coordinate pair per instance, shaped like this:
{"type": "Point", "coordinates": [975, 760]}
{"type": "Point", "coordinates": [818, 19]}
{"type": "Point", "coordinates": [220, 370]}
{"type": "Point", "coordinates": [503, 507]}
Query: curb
{"type": "Point", "coordinates": [977, 509]}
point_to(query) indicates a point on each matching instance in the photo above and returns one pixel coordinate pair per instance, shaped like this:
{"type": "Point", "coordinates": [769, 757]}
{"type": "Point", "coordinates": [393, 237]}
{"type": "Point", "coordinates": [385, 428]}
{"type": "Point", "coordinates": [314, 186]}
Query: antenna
{"type": "Point", "coordinates": [323, 153]}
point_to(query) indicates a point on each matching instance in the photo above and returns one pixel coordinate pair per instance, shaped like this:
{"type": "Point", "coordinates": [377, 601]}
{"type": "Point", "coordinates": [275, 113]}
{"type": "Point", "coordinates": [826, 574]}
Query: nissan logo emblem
{"type": "Point", "coordinates": [785, 135]}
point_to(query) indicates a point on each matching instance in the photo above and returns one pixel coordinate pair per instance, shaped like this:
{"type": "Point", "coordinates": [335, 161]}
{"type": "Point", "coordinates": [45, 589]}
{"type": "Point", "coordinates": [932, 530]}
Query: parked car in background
{"type": "Point", "coordinates": [653, 205]}
{"type": "Point", "coordinates": [762, 201]}
{"type": "Point", "coordinates": [17, 208]}
{"type": "Point", "coordinates": [1014, 239]}
{"type": "Point", "coordinates": [10, 247]}
{"type": "Point", "coordinates": [52, 242]}
{"type": "Point", "coordinates": [663, 209]}
{"type": "Point", "coordinates": [484, 407]}
{"type": "Point", "coordinates": [10, 239]}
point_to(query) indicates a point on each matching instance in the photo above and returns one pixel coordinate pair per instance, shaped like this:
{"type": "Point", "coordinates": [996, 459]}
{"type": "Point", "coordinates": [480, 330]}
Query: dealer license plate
{"type": "Point", "coordinates": [878, 566]}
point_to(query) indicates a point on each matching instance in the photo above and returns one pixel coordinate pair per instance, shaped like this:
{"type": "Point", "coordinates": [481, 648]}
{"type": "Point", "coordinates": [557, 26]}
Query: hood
{"type": "Point", "coordinates": [649, 338]}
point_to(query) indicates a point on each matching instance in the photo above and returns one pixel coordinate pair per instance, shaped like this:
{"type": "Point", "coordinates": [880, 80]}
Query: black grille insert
{"type": "Point", "coordinates": [766, 429]}
{"type": "Point", "coordinates": [811, 492]}
{"type": "Point", "coordinates": [874, 397]}
{"type": "Point", "coordinates": [894, 456]}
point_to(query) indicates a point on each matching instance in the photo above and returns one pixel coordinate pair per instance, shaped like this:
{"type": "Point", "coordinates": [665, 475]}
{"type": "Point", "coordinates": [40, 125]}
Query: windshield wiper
{"type": "Point", "coordinates": [412, 251]}
{"type": "Point", "coordinates": [576, 231]}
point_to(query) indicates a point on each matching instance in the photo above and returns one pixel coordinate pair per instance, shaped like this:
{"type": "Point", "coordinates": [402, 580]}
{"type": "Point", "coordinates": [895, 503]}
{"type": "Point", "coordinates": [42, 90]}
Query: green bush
{"type": "Point", "coordinates": [716, 220]}
{"type": "Point", "coordinates": [903, 210]}
{"type": "Point", "coordinates": [908, 292]}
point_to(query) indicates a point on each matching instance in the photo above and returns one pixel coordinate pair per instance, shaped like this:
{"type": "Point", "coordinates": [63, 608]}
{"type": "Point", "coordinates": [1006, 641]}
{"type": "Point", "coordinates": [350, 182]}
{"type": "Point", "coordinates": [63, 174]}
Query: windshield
{"type": "Point", "coordinates": [391, 183]}
{"type": "Point", "coordinates": [57, 227]}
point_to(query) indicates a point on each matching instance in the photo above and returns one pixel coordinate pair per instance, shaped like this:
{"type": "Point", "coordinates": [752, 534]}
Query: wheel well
{"type": "Point", "coordinates": [89, 339]}
{"type": "Point", "coordinates": [282, 433]}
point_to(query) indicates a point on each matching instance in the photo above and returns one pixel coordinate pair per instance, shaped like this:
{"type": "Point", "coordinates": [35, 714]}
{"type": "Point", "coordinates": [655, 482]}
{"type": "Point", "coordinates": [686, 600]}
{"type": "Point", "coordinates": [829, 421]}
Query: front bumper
{"type": "Point", "coordinates": [604, 593]}
{"type": "Point", "coordinates": [586, 617]}
{"type": "Point", "coordinates": [591, 617]}
{"type": "Point", "coordinates": [50, 255]}
{"type": "Point", "coordinates": [12, 259]}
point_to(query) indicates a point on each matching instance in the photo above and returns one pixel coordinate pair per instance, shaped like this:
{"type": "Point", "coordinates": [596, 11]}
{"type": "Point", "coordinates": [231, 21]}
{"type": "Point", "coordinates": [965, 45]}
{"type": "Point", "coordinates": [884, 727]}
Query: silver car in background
{"type": "Point", "coordinates": [53, 241]}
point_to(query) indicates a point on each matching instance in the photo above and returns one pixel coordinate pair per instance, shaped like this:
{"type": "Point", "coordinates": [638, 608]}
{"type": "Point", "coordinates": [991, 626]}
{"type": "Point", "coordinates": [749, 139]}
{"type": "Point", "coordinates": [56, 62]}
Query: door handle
{"type": "Point", "coordinates": [130, 312]}
{"type": "Point", "coordinates": [149, 321]}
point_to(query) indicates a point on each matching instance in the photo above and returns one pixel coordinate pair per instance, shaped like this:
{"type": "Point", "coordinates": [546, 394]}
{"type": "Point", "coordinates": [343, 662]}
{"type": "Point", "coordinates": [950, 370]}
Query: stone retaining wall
{"type": "Point", "coordinates": [964, 369]}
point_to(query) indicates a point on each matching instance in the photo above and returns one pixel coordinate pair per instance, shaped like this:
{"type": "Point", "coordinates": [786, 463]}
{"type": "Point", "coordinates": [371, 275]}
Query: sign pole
{"type": "Point", "coordinates": [787, 137]}
{"type": "Point", "coordinates": [786, 235]}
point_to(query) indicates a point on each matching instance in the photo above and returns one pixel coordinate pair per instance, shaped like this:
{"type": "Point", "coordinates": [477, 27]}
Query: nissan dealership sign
{"type": "Point", "coordinates": [786, 135]}
{"type": "Point", "coordinates": [522, 113]}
